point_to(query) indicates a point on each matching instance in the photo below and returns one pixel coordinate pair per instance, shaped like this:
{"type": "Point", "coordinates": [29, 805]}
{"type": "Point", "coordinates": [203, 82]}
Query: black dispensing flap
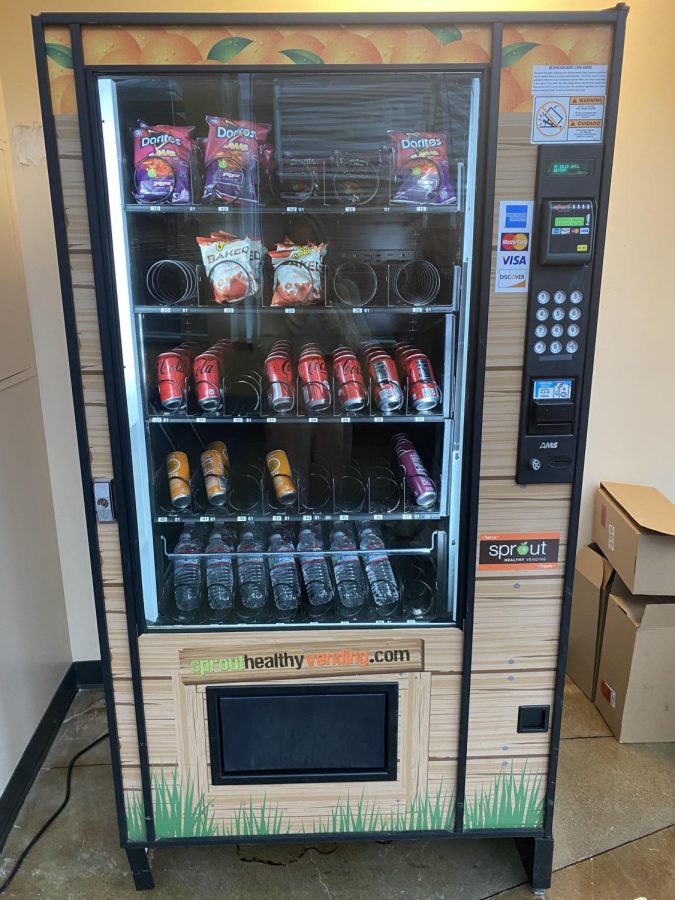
{"type": "Point", "coordinates": [303, 733]}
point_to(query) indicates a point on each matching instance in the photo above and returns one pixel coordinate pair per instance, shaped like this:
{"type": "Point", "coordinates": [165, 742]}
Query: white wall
{"type": "Point", "coordinates": [34, 641]}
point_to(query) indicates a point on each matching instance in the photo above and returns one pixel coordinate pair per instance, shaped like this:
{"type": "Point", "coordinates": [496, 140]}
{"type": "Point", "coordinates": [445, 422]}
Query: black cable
{"type": "Point", "coordinates": [17, 865]}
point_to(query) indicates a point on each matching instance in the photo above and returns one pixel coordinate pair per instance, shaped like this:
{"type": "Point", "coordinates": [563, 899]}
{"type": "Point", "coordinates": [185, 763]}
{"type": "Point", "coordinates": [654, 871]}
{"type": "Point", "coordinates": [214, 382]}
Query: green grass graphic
{"type": "Point", "coordinates": [426, 812]}
{"type": "Point", "coordinates": [512, 801]}
{"type": "Point", "coordinates": [135, 814]}
{"type": "Point", "coordinates": [253, 820]}
{"type": "Point", "coordinates": [178, 812]}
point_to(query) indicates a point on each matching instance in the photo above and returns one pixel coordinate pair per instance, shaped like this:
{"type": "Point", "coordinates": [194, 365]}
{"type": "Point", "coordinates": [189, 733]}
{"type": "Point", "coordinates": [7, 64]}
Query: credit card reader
{"type": "Point", "coordinates": [568, 185]}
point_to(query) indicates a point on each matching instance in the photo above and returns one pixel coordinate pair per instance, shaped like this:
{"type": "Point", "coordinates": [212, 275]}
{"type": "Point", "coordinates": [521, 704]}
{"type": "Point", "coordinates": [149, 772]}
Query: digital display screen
{"type": "Point", "coordinates": [569, 221]}
{"type": "Point", "coordinates": [545, 389]}
{"type": "Point", "coordinates": [570, 167]}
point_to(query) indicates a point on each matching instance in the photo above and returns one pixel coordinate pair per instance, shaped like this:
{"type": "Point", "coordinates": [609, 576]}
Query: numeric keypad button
{"type": "Point", "coordinates": [543, 297]}
{"type": "Point", "coordinates": [559, 297]}
{"type": "Point", "coordinates": [576, 297]}
{"type": "Point", "coordinates": [571, 347]}
{"type": "Point", "coordinates": [540, 347]}
{"type": "Point", "coordinates": [573, 330]}
{"type": "Point", "coordinates": [542, 314]}
{"type": "Point", "coordinates": [558, 314]}
{"type": "Point", "coordinates": [541, 331]}
{"type": "Point", "coordinates": [557, 331]}
{"type": "Point", "coordinates": [555, 347]}
{"type": "Point", "coordinates": [575, 314]}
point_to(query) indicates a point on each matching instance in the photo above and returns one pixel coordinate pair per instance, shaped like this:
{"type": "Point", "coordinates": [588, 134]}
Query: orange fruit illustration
{"type": "Point", "coordinates": [143, 35]}
{"type": "Point", "coordinates": [525, 106]}
{"type": "Point", "coordinates": [328, 33]}
{"type": "Point", "coordinates": [461, 52]}
{"type": "Point", "coordinates": [510, 92]}
{"type": "Point", "coordinates": [62, 90]}
{"type": "Point", "coordinates": [348, 48]}
{"type": "Point", "coordinates": [543, 55]}
{"type": "Point", "coordinates": [98, 42]}
{"type": "Point", "coordinates": [387, 39]}
{"type": "Point", "coordinates": [592, 47]}
{"type": "Point", "coordinates": [300, 40]}
{"type": "Point", "coordinates": [538, 34]}
{"type": "Point", "coordinates": [566, 36]}
{"type": "Point", "coordinates": [198, 35]}
{"type": "Point", "coordinates": [61, 36]}
{"type": "Point", "coordinates": [415, 47]}
{"type": "Point", "coordinates": [262, 46]}
{"type": "Point", "coordinates": [480, 36]}
{"type": "Point", "coordinates": [511, 35]}
{"type": "Point", "coordinates": [169, 48]}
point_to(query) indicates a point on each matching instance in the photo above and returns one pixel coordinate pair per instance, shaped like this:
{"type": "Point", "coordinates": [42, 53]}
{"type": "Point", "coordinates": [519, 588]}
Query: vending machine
{"type": "Point", "coordinates": [330, 285]}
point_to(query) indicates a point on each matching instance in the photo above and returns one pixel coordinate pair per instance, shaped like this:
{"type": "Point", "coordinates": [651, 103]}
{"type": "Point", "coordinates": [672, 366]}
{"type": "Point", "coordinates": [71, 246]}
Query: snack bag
{"type": "Point", "coordinates": [233, 265]}
{"type": "Point", "coordinates": [163, 155]}
{"type": "Point", "coordinates": [297, 273]}
{"type": "Point", "coordinates": [421, 168]}
{"type": "Point", "coordinates": [231, 160]}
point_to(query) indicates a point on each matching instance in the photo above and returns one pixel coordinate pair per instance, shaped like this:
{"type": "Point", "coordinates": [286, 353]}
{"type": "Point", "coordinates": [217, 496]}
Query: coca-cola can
{"type": "Point", "coordinates": [387, 391]}
{"type": "Point", "coordinates": [417, 478]}
{"type": "Point", "coordinates": [352, 392]}
{"type": "Point", "coordinates": [208, 375]}
{"type": "Point", "coordinates": [423, 390]}
{"type": "Point", "coordinates": [172, 369]}
{"type": "Point", "coordinates": [281, 388]}
{"type": "Point", "coordinates": [314, 377]}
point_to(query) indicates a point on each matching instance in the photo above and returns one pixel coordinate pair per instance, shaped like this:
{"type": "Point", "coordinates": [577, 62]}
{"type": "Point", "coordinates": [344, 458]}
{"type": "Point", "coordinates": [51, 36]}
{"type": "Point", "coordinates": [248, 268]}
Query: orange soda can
{"type": "Point", "coordinates": [222, 449]}
{"type": "Point", "coordinates": [178, 472]}
{"type": "Point", "coordinates": [282, 480]}
{"type": "Point", "coordinates": [215, 476]}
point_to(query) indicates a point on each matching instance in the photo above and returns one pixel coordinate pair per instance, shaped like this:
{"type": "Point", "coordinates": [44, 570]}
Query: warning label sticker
{"type": "Point", "coordinates": [569, 104]}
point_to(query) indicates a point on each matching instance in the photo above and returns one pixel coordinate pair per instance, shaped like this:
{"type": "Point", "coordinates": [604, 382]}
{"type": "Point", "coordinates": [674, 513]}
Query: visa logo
{"type": "Point", "coordinates": [514, 260]}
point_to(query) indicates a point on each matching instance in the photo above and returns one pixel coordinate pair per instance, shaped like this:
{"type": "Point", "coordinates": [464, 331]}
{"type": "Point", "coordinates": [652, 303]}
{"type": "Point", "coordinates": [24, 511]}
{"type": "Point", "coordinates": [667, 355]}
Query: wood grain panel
{"type": "Point", "coordinates": [88, 338]}
{"type": "Point", "coordinates": [493, 712]}
{"type": "Point", "coordinates": [516, 633]}
{"type": "Point", "coordinates": [109, 547]}
{"type": "Point", "coordinates": [75, 204]}
{"type": "Point", "coordinates": [501, 410]}
{"type": "Point", "coordinates": [506, 329]}
{"type": "Point", "coordinates": [100, 453]}
{"type": "Point", "coordinates": [82, 269]}
{"type": "Point", "coordinates": [444, 716]}
{"type": "Point", "coordinates": [68, 137]}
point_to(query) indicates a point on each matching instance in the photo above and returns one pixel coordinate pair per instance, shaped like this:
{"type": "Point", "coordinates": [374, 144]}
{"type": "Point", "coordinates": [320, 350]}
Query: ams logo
{"type": "Point", "coordinates": [548, 445]}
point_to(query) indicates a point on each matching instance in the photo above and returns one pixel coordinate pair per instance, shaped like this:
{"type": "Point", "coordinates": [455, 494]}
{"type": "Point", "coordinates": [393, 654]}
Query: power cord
{"type": "Point", "coordinates": [69, 775]}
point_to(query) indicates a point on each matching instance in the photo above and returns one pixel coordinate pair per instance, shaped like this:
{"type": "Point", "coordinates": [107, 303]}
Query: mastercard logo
{"type": "Point", "coordinates": [517, 241]}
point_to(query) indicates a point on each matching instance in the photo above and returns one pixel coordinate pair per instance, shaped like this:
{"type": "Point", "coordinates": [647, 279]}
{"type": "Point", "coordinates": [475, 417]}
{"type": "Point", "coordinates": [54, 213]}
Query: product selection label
{"type": "Point", "coordinates": [514, 239]}
{"type": "Point", "coordinates": [519, 551]}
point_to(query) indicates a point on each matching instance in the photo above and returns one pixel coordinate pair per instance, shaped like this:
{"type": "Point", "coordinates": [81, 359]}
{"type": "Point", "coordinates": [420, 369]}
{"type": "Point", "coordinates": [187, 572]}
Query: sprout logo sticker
{"type": "Point", "coordinates": [519, 551]}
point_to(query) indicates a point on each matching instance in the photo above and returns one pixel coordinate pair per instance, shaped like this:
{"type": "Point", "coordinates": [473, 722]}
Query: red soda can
{"type": "Point", "coordinates": [208, 373]}
{"type": "Point", "coordinates": [314, 377]}
{"type": "Point", "coordinates": [352, 392]}
{"type": "Point", "coordinates": [281, 387]}
{"type": "Point", "coordinates": [172, 369]}
{"type": "Point", "coordinates": [387, 391]}
{"type": "Point", "coordinates": [423, 390]}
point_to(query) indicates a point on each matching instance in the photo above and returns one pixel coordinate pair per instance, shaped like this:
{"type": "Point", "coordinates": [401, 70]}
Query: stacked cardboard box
{"type": "Point", "coordinates": [622, 630]}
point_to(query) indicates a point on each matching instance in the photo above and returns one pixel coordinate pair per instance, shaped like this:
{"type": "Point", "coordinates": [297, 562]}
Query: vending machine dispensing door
{"type": "Point", "coordinates": [568, 183]}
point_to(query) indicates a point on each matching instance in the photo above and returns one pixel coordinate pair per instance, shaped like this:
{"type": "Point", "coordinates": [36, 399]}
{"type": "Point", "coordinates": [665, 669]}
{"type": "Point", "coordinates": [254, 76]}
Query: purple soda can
{"type": "Point", "coordinates": [417, 478]}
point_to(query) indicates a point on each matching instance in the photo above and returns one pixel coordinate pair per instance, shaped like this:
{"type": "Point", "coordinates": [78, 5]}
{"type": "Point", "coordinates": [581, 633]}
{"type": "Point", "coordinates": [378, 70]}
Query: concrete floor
{"type": "Point", "coordinates": [614, 830]}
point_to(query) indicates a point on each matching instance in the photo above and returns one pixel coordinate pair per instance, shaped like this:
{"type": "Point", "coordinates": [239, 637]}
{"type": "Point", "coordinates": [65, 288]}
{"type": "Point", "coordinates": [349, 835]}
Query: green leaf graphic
{"type": "Point", "coordinates": [446, 34]}
{"type": "Point", "coordinates": [228, 48]}
{"type": "Point", "coordinates": [303, 57]}
{"type": "Point", "coordinates": [61, 55]}
{"type": "Point", "coordinates": [513, 52]}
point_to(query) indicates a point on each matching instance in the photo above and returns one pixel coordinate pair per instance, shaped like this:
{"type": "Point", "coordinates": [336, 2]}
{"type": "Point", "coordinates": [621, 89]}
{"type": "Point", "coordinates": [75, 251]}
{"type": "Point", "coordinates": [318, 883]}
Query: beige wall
{"type": "Point", "coordinates": [637, 318]}
{"type": "Point", "coordinates": [34, 641]}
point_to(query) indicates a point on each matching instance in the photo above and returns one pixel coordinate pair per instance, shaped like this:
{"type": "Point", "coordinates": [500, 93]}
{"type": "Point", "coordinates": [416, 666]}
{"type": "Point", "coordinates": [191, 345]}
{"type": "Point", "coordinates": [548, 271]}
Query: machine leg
{"type": "Point", "coordinates": [537, 857]}
{"type": "Point", "coordinates": [140, 868]}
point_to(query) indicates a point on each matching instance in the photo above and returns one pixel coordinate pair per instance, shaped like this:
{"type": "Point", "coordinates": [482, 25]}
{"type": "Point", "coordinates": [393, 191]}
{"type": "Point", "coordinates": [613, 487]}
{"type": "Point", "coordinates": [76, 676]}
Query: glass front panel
{"type": "Point", "coordinates": [291, 256]}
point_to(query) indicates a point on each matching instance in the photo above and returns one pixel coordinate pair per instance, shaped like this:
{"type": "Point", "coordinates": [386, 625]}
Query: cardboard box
{"type": "Point", "coordinates": [592, 580]}
{"type": "Point", "coordinates": [634, 526]}
{"type": "Point", "coordinates": [636, 677]}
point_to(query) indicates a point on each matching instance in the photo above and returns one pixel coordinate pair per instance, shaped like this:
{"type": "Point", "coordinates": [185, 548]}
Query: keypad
{"type": "Point", "coordinates": [565, 314]}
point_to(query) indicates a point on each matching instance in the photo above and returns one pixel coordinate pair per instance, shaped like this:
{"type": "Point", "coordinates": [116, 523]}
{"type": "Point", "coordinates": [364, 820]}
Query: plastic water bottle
{"type": "Point", "coordinates": [315, 572]}
{"type": "Point", "coordinates": [379, 572]}
{"type": "Point", "coordinates": [351, 588]}
{"type": "Point", "coordinates": [284, 574]}
{"type": "Point", "coordinates": [251, 576]}
{"type": "Point", "coordinates": [187, 571]}
{"type": "Point", "coordinates": [219, 571]}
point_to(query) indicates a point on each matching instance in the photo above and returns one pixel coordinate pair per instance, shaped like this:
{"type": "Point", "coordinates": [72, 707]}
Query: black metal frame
{"type": "Point", "coordinates": [535, 844]}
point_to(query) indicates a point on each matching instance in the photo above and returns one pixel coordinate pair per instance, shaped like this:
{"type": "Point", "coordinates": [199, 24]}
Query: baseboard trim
{"type": "Point", "coordinates": [88, 673]}
{"type": "Point", "coordinates": [82, 674]}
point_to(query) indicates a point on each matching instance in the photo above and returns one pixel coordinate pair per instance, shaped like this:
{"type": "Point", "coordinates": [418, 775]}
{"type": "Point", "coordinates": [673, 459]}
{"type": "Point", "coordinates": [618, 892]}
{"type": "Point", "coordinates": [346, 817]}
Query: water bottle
{"type": "Point", "coordinates": [315, 572]}
{"type": "Point", "coordinates": [219, 571]}
{"type": "Point", "coordinates": [379, 572]}
{"type": "Point", "coordinates": [251, 576]}
{"type": "Point", "coordinates": [351, 589]}
{"type": "Point", "coordinates": [187, 571]}
{"type": "Point", "coordinates": [284, 574]}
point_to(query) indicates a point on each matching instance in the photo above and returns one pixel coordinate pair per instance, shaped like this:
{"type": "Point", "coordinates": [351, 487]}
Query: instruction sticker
{"type": "Point", "coordinates": [514, 245]}
{"type": "Point", "coordinates": [519, 551]}
{"type": "Point", "coordinates": [569, 104]}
